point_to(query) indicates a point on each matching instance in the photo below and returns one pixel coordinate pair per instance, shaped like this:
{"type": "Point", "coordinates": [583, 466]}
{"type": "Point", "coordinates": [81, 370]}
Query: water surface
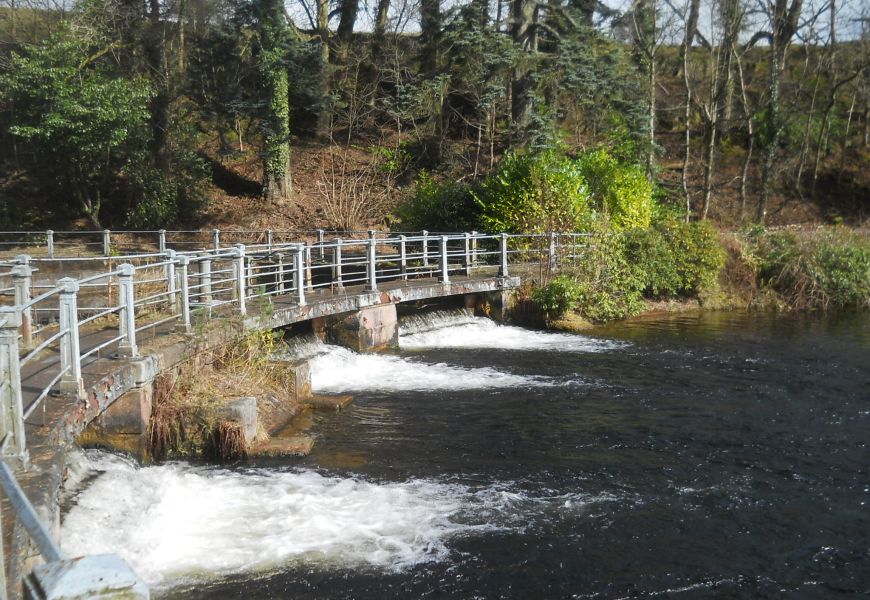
{"type": "Point", "coordinates": [677, 456]}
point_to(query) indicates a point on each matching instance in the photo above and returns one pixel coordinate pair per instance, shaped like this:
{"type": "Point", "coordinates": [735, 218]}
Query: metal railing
{"type": "Point", "coordinates": [168, 290]}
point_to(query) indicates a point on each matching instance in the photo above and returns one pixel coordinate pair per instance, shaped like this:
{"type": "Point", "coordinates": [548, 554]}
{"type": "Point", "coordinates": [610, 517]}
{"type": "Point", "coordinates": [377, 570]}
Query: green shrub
{"type": "Point", "coordinates": [826, 269]}
{"type": "Point", "coordinates": [676, 258]}
{"type": "Point", "coordinates": [447, 206]}
{"type": "Point", "coordinates": [557, 297]}
{"type": "Point", "coordinates": [535, 194]}
{"type": "Point", "coordinates": [621, 192]}
{"type": "Point", "coordinates": [609, 284]}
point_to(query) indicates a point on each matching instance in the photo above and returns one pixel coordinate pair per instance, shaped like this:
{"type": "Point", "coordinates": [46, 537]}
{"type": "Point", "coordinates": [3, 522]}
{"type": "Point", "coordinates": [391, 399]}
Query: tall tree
{"type": "Point", "coordinates": [783, 18]}
{"type": "Point", "coordinates": [274, 35]}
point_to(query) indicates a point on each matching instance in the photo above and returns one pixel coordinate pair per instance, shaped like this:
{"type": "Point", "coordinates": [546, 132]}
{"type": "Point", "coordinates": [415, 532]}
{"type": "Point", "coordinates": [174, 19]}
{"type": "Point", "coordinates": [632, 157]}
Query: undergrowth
{"type": "Point", "coordinates": [183, 421]}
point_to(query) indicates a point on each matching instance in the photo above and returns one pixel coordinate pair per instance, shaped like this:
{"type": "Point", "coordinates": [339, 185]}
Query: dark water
{"type": "Point", "coordinates": [706, 455]}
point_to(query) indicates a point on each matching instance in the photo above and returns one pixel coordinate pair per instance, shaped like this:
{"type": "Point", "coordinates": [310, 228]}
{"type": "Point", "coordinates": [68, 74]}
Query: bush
{"type": "Point", "coordinates": [535, 193]}
{"type": "Point", "coordinates": [609, 284]}
{"type": "Point", "coordinates": [621, 192]}
{"type": "Point", "coordinates": [439, 207]}
{"type": "Point", "coordinates": [676, 258]}
{"type": "Point", "coordinates": [557, 297]}
{"type": "Point", "coordinates": [820, 270]}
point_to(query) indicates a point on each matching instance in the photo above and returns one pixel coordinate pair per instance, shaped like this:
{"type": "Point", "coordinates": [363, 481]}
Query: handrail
{"type": "Point", "coordinates": [164, 286]}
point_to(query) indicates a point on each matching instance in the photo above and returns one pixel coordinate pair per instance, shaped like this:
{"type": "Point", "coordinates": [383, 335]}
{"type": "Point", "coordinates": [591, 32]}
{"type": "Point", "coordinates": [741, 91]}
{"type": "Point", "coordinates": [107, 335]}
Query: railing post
{"type": "Point", "coordinates": [107, 242]}
{"type": "Point", "coordinates": [127, 346]}
{"type": "Point", "coordinates": [403, 257]}
{"type": "Point", "coordinates": [425, 248]}
{"type": "Point", "coordinates": [49, 242]}
{"type": "Point", "coordinates": [240, 274]}
{"type": "Point", "coordinates": [205, 281]}
{"type": "Point", "coordinates": [445, 275]}
{"type": "Point", "coordinates": [171, 280]}
{"type": "Point", "coordinates": [320, 243]}
{"type": "Point", "coordinates": [70, 350]}
{"type": "Point", "coordinates": [21, 280]}
{"type": "Point", "coordinates": [371, 263]}
{"type": "Point", "coordinates": [309, 284]}
{"type": "Point", "coordinates": [216, 239]}
{"type": "Point", "coordinates": [12, 422]}
{"type": "Point", "coordinates": [552, 257]}
{"type": "Point", "coordinates": [183, 275]}
{"type": "Point", "coordinates": [503, 270]}
{"type": "Point", "coordinates": [336, 268]}
{"type": "Point", "coordinates": [468, 254]}
{"type": "Point", "coordinates": [280, 285]}
{"type": "Point", "coordinates": [474, 248]}
{"type": "Point", "coordinates": [269, 240]}
{"type": "Point", "coordinates": [161, 240]}
{"type": "Point", "coordinates": [299, 273]}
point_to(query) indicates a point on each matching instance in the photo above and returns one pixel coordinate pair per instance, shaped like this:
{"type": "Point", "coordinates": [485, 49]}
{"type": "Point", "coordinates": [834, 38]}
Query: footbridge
{"type": "Point", "coordinates": [87, 320]}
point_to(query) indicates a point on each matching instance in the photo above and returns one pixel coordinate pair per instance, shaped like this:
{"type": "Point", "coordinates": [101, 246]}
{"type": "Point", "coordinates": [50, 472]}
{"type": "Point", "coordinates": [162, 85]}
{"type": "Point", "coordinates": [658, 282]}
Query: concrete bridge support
{"type": "Point", "coordinates": [371, 329]}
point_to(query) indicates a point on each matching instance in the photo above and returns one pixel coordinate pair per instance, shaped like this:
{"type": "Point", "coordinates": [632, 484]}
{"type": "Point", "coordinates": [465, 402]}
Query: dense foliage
{"type": "Point", "coordinates": [826, 269]}
{"type": "Point", "coordinates": [676, 259]}
{"type": "Point", "coordinates": [535, 193]}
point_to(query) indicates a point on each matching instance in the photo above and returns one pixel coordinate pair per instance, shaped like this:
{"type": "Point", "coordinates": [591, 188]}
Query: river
{"type": "Point", "coordinates": [685, 455]}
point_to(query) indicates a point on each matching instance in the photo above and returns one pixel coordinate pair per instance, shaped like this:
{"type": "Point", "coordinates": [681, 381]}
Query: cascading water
{"type": "Point", "coordinates": [688, 455]}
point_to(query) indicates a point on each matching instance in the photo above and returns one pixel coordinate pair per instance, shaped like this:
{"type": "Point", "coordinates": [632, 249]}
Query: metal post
{"type": "Point", "coordinates": [12, 418]}
{"type": "Point", "coordinates": [127, 346]}
{"type": "Point", "coordinates": [503, 271]}
{"type": "Point", "coordinates": [552, 261]}
{"type": "Point", "coordinates": [299, 266]}
{"type": "Point", "coordinates": [171, 280]}
{"type": "Point", "coordinates": [308, 276]}
{"type": "Point", "coordinates": [336, 269]}
{"type": "Point", "coordinates": [205, 281]}
{"type": "Point", "coordinates": [468, 254]}
{"type": "Point", "coordinates": [107, 243]}
{"type": "Point", "coordinates": [280, 284]}
{"type": "Point", "coordinates": [216, 238]}
{"type": "Point", "coordinates": [445, 276]}
{"type": "Point", "coordinates": [161, 240]}
{"type": "Point", "coordinates": [474, 248]}
{"type": "Point", "coordinates": [371, 264]}
{"type": "Point", "coordinates": [320, 243]}
{"type": "Point", "coordinates": [49, 242]}
{"type": "Point", "coordinates": [403, 257]}
{"type": "Point", "coordinates": [183, 272]}
{"type": "Point", "coordinates": [269, 240]}
{"type": "Point", "coordinates": [239, 271]}
{"type": "Point", "coordinates": [425, 248]}
{"type": "Point", "coordinates": [70, 350]}
{"type": "Point", "coordinates": [21, 280]}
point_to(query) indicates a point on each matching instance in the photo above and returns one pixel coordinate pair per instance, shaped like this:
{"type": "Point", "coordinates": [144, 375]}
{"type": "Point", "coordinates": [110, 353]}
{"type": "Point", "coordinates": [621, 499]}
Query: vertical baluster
{"type": "Point", "coordinates": [299, 265]}
{"type": "Point", "coordinates": [336, 269]}
{"type": "Point", "coordinates": [183, 274]}
{"type": "Point", "coordinates": [240, 276]}
{"type": "Point", "coordinates": [503, 270]}
{"type": "Point", "coordinates": [403, 257]}
{"type": "Point", "coordinates": [445, 275]}
{"type": "Point", "coordinates": [127, 314]}
{"type": "Point", "coordinates": [12, 421]}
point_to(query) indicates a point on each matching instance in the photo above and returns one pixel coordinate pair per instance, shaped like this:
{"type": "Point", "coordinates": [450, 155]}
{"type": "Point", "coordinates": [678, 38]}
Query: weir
{"type": "Point", "coordinates": [100, 340]}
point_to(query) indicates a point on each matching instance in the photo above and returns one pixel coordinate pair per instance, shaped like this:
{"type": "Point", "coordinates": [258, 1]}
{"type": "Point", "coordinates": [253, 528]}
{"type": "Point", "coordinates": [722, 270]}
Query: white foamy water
{"type": "Point", "coordinates": [177, 523]}
{"type": "Point", "coordinates": [338, 369]}
{"type": "Point", "coordinates": [460, 329]}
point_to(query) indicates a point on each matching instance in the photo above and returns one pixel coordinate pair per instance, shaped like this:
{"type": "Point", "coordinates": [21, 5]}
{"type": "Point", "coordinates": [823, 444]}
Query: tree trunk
{"type": "Point", "coordinates": [430, 36]}
{"type": "Point", "coordinates": [347, 19]}
{"type": "Point", "coordinates": [277, 183]}
{"type": "Point", "coordinates": [324, 116]}
{"type": "Point", "coordinates": [155, 52]}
